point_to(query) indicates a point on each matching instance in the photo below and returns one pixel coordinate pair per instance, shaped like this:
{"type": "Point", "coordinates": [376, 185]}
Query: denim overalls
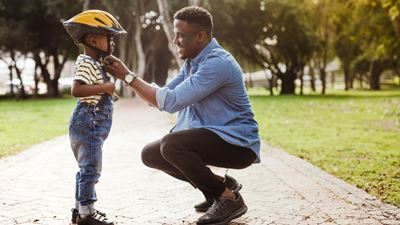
{"type": "Point", "coordinates": [89, 127]}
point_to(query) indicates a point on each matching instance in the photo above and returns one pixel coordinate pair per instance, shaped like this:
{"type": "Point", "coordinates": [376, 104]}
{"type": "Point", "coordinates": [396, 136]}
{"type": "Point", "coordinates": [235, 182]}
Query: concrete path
{"type": "Point", "coordinates": [37, 186]}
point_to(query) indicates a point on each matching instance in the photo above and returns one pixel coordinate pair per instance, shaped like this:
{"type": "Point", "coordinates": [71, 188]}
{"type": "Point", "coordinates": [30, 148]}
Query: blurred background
{"type": "Point", "coordinates": [283, 46]}
{"type": "Point", "coordinates": [323, 75]}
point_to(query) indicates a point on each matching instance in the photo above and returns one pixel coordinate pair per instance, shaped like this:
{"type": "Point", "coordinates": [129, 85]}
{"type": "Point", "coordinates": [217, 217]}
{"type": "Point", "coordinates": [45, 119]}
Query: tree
{"type": "Point", "coordinates": [275, 35]}
{"type": "Point", "coordinates": [13, 25]}
{"type": "Point", "coordinates": [38, 22]}
{"type": "Point", "coordinates": [168, 28]}
{"type": "Point", "coordinates": [145, 47]}
{"type": "Point", "coordinates": [377, 39]}
{"type": "Point", "coordinates": [323, 14]}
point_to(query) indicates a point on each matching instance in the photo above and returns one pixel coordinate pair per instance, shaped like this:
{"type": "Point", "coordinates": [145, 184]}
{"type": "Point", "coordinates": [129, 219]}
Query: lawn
{"type": "Point", "coordinates": [352, 135]}
{"type": "Point", "coordinates": [23, 123]}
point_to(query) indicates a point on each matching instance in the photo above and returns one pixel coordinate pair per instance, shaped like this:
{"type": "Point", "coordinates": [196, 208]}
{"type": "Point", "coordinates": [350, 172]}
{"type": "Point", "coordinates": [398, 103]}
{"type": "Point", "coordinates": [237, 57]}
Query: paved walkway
{"type": "Point", "coordinates": [36, 186]}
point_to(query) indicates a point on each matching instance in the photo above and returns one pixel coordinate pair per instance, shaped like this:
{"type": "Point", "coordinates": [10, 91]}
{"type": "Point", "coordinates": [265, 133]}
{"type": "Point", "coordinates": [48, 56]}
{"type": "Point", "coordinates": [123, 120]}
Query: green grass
{"type": "Point", "coordinates": [352, 135]}
{"type": "Point", "coordinates": [24, 123]}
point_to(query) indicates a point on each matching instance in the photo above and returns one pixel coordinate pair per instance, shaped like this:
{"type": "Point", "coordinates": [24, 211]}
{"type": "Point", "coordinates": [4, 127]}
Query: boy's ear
{"type": "Point", "coordinates": [90, 39]}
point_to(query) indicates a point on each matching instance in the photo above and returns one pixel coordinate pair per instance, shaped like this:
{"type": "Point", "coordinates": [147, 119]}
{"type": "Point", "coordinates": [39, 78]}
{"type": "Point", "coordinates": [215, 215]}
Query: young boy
{"type": "Point", "coordinates": [91, 120]}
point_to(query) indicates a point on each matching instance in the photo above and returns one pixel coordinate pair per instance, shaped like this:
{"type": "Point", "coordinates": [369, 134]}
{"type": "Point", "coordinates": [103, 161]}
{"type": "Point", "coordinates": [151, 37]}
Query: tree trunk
{"type": "Point", "coordinates": [312, 80]}
{"type": "Point", "coordinates": [361, 81]}
{"type": "Point", "coordinates": [376, 71]}
{"type": "Point", "coordinates": [168, 29]}
{"type": "Point", "coordinates": [141, 59]}
{"type": "Point", "coordinates": [11, 80]}
{"type": "Point", "coordinates": [270, 80]}
{"type": "Point", "coordinates": [301, 82]}
{"type": "Point", "coordinates": [288, 83]}
{"type": "Point", "coordinates": [323, 80]}
{"type": "Point", "coordinates": [86, 5]}
{"type": "Point", "coordinates": [45, 73]}
{"type": "Point", "coordinates": [351, 81]}
{"type": "Point", "coordinates": [346, 72]}
{"type": "Point", "coordinates": [396, 26]}
{"type": "Point", "coordinates": [36, 80]}
{"type": "Point", "coordinates": [22, 93]}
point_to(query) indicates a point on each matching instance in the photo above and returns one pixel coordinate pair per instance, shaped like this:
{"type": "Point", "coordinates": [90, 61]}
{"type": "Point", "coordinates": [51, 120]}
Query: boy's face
{"type": "Point", "coordinates": [102, 42]}
{"type": "Point", "coordinates": [106, 43]}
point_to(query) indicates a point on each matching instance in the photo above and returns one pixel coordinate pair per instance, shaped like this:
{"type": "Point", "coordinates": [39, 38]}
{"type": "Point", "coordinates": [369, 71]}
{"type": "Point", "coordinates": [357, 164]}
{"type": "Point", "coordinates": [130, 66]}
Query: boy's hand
{"type": "Point", "coordinates": [109, 88]}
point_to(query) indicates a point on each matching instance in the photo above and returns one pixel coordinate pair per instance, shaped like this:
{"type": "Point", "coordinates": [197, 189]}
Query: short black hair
{"type": "Point", "coordinates": [196, 15]}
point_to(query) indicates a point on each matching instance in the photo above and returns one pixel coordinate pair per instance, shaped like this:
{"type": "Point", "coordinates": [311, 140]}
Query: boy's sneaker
{"type": "Point", "coordinates": [75, 214]}
{"type": "Point", "coordinates": [97, 218]}
{"type": "Point", "coordinates": [230, 183]}
{"type": "Point", "coordinates": [223, 210]}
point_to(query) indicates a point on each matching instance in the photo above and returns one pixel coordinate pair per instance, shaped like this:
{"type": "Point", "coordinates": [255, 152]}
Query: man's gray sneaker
{"type": "Point", "coordinates": [223, 210]}
{"type": "Point", "coordinates": [230, 183]}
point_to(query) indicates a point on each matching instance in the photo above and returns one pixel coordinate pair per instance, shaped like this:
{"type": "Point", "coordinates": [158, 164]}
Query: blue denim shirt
{"type": "Point", "coordinates": [209, 93]}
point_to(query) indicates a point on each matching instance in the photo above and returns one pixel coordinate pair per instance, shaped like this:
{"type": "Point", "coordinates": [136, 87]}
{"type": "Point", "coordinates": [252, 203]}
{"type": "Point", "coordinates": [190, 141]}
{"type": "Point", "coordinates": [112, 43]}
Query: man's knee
{"type": "Point", "coordinates": [168, 146]}
{"type": "Point", "coordinates": [148, 155]}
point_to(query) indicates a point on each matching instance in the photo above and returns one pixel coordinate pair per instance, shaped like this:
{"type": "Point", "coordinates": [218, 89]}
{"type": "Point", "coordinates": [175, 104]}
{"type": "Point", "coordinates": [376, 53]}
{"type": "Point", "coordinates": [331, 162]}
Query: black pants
{"type": "Point", "coordinates": [186, 154]}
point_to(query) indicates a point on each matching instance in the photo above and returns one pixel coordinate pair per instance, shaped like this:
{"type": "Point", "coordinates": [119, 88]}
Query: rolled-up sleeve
{"type": "Point", "coordinates": [161, 94]}
{"type": "Point", "coordinates": [211, 74]}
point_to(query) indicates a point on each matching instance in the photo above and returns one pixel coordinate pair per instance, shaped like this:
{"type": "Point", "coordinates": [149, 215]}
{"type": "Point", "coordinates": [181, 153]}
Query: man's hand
{"type": "Point", "coordinates": [115, 66]}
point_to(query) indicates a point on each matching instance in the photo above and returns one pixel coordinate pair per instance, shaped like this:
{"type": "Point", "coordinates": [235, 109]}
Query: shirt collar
{"type": "Point", "coordinates": [211, 45]}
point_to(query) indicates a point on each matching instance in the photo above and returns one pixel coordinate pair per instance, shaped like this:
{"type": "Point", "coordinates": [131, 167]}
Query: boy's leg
{"type": "Point", "coordinates": [87, 148]}
{"type": "Point", "coordinates": [89, 158]}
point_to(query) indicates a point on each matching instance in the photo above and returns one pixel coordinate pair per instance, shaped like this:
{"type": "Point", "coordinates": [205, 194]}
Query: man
{"type": "Point", "coordinates": [215, 125]}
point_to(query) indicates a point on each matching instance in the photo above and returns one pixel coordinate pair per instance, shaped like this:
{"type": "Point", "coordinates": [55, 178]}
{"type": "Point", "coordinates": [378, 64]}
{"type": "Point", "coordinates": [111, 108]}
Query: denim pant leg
{"type": "Point", "coordinates": [88, 130]}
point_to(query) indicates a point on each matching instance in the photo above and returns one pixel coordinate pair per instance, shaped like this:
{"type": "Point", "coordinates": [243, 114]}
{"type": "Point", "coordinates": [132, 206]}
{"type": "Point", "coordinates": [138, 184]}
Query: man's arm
{"type": "Point", "coordinates": [146, 91]}
{"type": "Point", "coordinates": [118, 69]}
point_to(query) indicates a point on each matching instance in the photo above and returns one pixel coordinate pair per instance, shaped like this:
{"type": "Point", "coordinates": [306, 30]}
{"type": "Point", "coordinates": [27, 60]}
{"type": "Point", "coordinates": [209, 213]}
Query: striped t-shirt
{"type": "Point", "coordinates": [88, 71]}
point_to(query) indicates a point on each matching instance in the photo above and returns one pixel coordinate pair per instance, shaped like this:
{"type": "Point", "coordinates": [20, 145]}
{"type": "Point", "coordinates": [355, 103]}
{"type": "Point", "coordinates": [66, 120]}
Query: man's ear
{"type": "Point", "coordinates": [202, 36]}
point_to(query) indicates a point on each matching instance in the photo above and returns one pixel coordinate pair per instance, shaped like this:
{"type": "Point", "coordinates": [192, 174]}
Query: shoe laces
{"type": "Point", "coordinates": [99, 216]}
{"type": "Point", "coordinates": [218, 207]}
{"type": "Point", "coordinates": [101, 213]}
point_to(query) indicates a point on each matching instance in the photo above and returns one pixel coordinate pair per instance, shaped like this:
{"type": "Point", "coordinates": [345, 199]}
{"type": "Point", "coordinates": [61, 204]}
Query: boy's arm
{"type": "Point", "coordinates": [79, 89]}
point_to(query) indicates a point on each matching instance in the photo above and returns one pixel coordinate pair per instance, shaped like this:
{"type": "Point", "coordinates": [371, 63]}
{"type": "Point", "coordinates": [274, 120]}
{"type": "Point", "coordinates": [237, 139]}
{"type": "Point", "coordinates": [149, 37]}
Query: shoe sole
{"type": "Point", "coordinates": [238, 214]}
{"type": "Point", "coordinates": [201, 210]}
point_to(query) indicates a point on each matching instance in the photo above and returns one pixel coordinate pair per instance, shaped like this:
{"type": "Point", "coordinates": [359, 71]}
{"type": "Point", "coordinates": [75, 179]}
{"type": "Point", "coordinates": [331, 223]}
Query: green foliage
{"type": "Point", "coordinates": [352, 135]}
{"type": "Point", "coordinates": [36, 26]}
{"type": "Point", "coordinates": [275, 35]}
{"type": "Point", "coordinates": [23, 123]}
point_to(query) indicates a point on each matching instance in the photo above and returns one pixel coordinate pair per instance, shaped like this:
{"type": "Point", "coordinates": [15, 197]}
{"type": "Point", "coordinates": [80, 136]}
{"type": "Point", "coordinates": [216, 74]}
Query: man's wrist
{"type": "Point", "coordinates": [130, 78]}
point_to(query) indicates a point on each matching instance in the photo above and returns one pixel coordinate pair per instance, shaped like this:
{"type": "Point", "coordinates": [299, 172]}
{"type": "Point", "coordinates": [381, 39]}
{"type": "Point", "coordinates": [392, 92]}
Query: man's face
{"type": "Point", "coordinates": [186, 39]}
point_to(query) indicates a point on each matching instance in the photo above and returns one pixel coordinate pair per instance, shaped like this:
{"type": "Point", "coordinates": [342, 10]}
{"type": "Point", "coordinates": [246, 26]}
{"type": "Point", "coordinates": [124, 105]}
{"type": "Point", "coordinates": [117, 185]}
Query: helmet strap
{"type": "Point", "coordinates": [100, 52]}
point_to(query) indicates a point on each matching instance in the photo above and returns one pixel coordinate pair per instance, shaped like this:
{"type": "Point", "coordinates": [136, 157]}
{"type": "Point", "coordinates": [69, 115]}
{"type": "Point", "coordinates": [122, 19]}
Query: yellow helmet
{"type": "Point", "coordinates": [92, 22]}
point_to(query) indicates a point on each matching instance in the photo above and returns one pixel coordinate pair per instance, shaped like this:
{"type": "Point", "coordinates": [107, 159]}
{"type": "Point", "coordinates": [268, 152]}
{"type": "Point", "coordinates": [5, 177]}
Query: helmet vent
{"type": "Point", "coordinates": [101, 21]}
